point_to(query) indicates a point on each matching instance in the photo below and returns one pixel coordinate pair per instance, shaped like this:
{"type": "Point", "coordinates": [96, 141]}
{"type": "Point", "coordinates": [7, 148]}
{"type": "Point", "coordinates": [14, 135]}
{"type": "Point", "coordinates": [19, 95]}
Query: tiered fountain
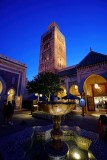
{"type": "Point", "coordinates": [56, 148]}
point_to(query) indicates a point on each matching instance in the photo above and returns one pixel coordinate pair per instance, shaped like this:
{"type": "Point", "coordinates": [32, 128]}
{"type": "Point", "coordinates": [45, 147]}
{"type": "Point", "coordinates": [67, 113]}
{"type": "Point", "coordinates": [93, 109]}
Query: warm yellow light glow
{"type": "Point", "coordinates": [96, 86]}
{"type": "Point", "coordinates": [64, 91]}
{"type": "Point", "coordinates": [58, 109]}
{"type": "Point", "coordinates": [76, 86]}
{"type": "Point", "coordinates": [90, 155]}
{"type": "Point", "coordinates": [36, 94]}
{"type": "Point", "coordinates": [40, 95]}
{"type": "Point", "coordinates": [68, 153]}
{"type": "Point", "coordinates": [1, 87]}
{"type": "Point", "coordinates": [76, 155]}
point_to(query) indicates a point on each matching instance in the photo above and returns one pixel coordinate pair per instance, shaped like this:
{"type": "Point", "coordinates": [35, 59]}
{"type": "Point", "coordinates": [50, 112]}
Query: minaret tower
{"type": "Point", "coordinates": [52, 50]}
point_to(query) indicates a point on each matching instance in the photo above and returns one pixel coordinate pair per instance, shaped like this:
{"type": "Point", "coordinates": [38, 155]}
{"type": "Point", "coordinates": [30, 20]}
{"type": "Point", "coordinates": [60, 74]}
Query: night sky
{"type": "Point", "coordinates": [22, 22]}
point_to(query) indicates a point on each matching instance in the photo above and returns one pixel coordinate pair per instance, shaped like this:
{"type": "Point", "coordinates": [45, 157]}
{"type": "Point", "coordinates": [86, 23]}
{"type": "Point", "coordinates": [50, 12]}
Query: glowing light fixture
{"type": "Point", "coordinates": [56, 109]}
{"type": "Point", "coordinates": [76, 155]}
{"type": "Point", "coordinates": [96, 86]}
{"type": "Point", "coordinates": [64, 90]}
{"type": "Point", "coordinates": [76, 86]}
{"type": "Point", "coordinates": [40, 95]}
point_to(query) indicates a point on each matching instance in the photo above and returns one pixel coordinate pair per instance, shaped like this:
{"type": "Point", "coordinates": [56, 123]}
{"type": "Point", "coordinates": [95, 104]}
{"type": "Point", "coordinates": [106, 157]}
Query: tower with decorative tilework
{"type": "Point", "coordinates": [52, 50]}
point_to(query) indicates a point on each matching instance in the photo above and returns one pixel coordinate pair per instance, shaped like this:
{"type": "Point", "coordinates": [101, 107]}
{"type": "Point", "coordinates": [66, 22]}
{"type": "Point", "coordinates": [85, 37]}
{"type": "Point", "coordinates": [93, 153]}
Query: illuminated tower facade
{"type": "Point", "coordinates": [52, 50]}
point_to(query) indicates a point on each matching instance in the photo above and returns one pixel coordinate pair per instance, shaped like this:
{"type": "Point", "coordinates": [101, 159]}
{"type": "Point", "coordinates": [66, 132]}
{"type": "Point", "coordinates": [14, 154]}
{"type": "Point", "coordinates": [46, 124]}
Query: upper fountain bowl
{"type": "Point", "coordinates": [57, 108]}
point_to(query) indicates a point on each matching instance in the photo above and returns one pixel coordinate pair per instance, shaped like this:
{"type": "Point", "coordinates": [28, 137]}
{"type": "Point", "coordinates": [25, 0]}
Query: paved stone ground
{"type": "Point", "coordinates": [23, 121]}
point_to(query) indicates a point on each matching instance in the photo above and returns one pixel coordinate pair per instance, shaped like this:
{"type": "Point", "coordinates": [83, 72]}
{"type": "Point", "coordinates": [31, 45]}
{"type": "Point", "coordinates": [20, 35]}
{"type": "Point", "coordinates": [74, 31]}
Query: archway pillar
{"type": "Point", "coordinates": [67, 84]}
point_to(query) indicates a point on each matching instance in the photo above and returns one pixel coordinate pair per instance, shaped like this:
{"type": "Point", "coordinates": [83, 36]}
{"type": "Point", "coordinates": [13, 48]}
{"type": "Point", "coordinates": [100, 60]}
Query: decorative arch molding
{"type": "Point", "coordinates": [3, 86]}
{"type": "Point", "coordinates": [95, 80]}
{"type": "Point", "coordinates": [104, 75]}
{"type": "Point", "coordinates": [81, 83]}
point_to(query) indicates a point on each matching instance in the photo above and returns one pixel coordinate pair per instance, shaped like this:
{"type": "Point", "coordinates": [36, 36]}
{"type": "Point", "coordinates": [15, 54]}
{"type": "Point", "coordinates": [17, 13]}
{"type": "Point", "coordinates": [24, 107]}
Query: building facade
{"type": "Point", "coordinates": [88, 79]}
{"type": "Point", "coordinates": [52, 50]}
{"type": "Point", "coordinates": [12, 81]}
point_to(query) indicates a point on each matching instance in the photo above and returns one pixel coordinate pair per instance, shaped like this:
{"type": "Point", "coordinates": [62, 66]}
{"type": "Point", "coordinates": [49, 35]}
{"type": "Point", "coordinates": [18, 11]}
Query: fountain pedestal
{"type": "Point", "coordinates": [56, 148]}
{"type": "Point", "coordinates": [56, 133]}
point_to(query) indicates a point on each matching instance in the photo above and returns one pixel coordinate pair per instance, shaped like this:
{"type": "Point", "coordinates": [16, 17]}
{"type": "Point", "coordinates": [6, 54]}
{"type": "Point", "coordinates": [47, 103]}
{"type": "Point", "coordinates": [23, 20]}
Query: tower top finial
{"type": "Point", "coordinates": [53, 24]}
{"type": "Point", "coordinates": [90, 49]}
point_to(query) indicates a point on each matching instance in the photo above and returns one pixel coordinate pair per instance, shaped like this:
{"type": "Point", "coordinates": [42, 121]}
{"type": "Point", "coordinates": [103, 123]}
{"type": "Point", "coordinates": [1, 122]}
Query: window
{"type": "Point", "coordinates": [47, 37]}
{"type": "Point", "coordinates": [47, 45]}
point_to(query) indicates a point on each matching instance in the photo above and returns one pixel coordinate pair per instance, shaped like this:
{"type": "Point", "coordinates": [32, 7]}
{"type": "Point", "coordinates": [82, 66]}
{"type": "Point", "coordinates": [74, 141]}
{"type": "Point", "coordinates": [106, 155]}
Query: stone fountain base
{"type": "Point", "coordinates": [56, 149]}
{"type": "Point", "coordinates": [53, 154]}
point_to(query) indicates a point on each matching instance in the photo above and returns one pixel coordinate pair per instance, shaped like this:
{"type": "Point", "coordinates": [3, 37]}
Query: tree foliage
{"type": "Point", "coordinates": [46, 83]}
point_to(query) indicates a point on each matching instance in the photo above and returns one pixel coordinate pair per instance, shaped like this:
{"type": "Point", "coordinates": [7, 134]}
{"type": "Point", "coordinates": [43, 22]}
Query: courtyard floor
{"type": "Point", "coordinates": [22, 119]}
{"type": "Point", "coordinates": [23, 122]}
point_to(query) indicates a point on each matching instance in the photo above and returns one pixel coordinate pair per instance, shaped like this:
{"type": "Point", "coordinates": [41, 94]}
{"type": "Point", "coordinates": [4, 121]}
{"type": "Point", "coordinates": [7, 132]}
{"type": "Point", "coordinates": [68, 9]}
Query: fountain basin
{"type": "Point", "coordinates": [78, 141]}
{"type": "Point", "coordinates": [57, 108]}
{"type": "Point", "coordinates": [56, 148]}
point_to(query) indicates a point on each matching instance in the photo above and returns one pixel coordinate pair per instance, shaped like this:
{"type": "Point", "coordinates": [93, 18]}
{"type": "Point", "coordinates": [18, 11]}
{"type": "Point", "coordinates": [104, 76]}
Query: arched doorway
{"type": "Point", "coordinates": [62, 93]}
{"type": "Point", "coordinates": [74, 90]}
{"type": "Point", "coordinates": [11, 95]}
{"type": "Point", "coordinates": [95, 88]}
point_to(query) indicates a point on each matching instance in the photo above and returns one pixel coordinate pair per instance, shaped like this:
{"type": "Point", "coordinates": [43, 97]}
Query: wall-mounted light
{"type": "Point", "coordinates": [96, 85]}
{"type": "Point", "coordinates": [76, 87]}
{"type": "Point", "coordinates": [8, 93]}
{"type": "Point", "coordinates": [64, 90]}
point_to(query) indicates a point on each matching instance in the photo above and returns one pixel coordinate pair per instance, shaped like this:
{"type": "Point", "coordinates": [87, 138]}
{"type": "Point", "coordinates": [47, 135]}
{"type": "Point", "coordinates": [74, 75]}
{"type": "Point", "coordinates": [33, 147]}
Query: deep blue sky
{"type": "Point", "coordinates": [22, 22]}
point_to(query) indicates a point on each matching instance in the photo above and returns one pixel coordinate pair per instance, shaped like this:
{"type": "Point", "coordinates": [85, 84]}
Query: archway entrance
{"type": "Point", "coordinates": [74, 90]}
{"type": "Point", "coordinates": [62, 93]}
{"type": "Point", "coordinates": [11, 95]}
{"type": "Point", "coordinates": [95, 88]}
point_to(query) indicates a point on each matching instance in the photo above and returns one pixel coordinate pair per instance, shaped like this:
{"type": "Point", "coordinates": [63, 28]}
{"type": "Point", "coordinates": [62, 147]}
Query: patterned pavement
{"type": "Point", "coordinates": [17, 134]}
{"type": "Point", "coordinates": [21, 120]}
{"type": "Point", "coordinates": [24, 119]}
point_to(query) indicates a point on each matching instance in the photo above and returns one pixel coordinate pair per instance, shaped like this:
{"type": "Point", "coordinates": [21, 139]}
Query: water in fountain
{"type": "Point", "coordinates": [78, 145]}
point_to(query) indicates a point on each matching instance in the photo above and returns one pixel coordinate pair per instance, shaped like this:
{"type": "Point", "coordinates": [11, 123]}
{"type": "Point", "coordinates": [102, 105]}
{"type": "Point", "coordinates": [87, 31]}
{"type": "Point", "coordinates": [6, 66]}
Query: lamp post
{"type": "Point", "coordinates": [38, 95]}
